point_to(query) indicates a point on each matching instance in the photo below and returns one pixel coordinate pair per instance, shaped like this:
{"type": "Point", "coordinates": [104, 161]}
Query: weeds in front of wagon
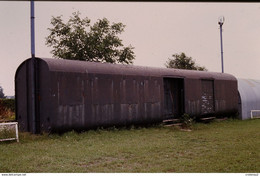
{"type": "Point", "coordinates": [186, 121]}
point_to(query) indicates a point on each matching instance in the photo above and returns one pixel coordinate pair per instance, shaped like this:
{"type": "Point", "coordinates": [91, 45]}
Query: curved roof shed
{"type": "Point", "coordinates": [249, 96]}
{"type": "Point", "coordinates": [82, 95]}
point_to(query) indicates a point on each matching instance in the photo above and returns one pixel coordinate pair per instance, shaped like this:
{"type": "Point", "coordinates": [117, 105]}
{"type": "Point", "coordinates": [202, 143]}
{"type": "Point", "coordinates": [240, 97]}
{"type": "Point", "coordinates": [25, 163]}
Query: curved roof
{"type": "Point", "coordinates": [249, 91]}
{"type": "Point", "coordinates": [62, 65]}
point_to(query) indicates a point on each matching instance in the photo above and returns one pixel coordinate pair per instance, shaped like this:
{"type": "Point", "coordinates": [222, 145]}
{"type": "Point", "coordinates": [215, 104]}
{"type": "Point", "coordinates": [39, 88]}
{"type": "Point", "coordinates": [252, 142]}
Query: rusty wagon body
{"type": "Point", "coordinates": [79, 95]}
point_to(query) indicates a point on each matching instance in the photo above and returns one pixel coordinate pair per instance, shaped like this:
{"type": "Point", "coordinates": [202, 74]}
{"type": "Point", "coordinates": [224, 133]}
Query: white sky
{"type": "Point", "coordinates": [156, 30]}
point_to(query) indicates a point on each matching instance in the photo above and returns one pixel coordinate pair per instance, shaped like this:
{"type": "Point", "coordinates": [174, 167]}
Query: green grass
{"type": "Point", "coordinates": [230, 146]}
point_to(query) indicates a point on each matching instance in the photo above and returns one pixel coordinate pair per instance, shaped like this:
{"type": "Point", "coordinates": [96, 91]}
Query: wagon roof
{"type": "Point", "coordinates": [62, 65]}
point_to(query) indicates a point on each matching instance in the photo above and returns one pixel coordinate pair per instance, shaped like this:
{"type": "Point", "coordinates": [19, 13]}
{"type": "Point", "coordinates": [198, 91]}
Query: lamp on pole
{"type": "Point", "coordinates": [221, 20]}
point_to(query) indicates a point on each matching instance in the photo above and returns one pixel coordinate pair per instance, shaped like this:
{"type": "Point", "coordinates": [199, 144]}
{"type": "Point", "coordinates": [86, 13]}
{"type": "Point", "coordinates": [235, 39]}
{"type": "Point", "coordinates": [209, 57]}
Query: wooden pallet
{"type": "Point", "coordinates": [170, 120]}
{"type": "Point", "coordinates": [208, 118]}
{"type": "Point", "coordinates": [174, 124]}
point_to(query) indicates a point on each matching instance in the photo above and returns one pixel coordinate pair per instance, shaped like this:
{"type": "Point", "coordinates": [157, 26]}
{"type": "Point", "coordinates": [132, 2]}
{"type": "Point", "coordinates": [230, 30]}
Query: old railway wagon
{"type": "Point", "coordinates": [79, 95]}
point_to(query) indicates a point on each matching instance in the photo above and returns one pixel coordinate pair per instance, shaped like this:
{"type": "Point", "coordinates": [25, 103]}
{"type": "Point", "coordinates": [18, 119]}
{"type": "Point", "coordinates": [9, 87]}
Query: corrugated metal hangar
{"type": "Point", "coordinates": [249, 98]}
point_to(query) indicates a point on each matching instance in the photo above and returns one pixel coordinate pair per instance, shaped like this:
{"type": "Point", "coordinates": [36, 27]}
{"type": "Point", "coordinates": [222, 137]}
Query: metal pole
{"type": "Point", "coordinates": [16, 131]}
{"type": "Point", "coordinates": [221, 42]}
{"type": "Point", "coordinates": [33, 70]}
{"type": "Point", "coordinates": [32, 30]}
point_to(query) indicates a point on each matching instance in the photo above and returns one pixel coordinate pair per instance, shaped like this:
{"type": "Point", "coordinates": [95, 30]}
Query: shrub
{"type": "Point", "coordinates": [7, 109]}
{"type": "Point", "coordinates": [8, 103]}
{"type": "Point", "coordinates": [186, 121]}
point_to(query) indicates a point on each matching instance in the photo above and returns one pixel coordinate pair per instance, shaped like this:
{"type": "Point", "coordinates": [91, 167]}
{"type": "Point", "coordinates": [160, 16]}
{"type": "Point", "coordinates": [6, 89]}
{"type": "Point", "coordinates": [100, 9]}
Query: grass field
{"type": "Point", "coordinates": [229, 146]}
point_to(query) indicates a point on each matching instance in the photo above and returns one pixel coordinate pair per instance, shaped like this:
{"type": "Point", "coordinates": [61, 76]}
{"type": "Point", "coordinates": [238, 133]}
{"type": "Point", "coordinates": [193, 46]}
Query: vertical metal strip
{"type": "Point", "coordinates": [32, 30]}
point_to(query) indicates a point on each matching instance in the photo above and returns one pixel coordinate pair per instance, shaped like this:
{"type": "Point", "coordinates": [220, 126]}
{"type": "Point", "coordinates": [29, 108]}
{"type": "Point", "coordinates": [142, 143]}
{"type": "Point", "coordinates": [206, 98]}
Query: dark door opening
{"type": "Point", "coordinates": [173, 97]}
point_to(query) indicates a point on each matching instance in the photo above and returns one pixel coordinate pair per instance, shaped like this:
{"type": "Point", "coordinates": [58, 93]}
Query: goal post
{"type": "Point", "coordinates": [8, 126]}
{"type": "Point", "coordinates": [252, 114]}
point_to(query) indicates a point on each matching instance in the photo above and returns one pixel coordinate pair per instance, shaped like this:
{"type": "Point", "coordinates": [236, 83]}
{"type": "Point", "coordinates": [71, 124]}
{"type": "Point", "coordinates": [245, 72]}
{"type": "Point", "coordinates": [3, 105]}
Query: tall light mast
{"type": "Point", "coordinates": [221, 20]}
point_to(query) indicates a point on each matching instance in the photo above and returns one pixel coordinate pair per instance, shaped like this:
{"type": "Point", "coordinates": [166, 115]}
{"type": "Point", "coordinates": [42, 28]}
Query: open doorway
{"type": "Point", "coordinates": [173, 97]}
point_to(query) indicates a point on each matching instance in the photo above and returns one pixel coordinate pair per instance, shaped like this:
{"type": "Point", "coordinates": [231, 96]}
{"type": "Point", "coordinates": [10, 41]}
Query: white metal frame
{"type": "Point", "coordinates": [252, 113]}
{"type": "Point", "coordinates": [16, 131]}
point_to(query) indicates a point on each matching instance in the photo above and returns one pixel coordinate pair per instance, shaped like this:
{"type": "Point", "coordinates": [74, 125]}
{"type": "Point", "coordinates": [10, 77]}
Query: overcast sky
{"type": "Point", "coordinates": [156, 30]}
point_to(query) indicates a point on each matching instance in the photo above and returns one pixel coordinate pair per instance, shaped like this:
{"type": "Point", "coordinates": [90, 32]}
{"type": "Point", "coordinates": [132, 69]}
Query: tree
{"type": "Point", "coordinates": [2, 95]}
{"type": "Point", "coordinates": [181, 61]}
{"type": "Point", "coordinates": [79, 40]}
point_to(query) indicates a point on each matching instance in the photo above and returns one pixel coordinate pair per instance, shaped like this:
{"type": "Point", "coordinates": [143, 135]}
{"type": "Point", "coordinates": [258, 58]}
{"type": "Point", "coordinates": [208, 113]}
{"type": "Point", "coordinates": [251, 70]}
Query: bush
{"type": "Point", "coordinates": [7, 109]}
{"type": "Point", "coordinates": [186, 121]}
{"type": "Point", "coordinates": [8, 103]}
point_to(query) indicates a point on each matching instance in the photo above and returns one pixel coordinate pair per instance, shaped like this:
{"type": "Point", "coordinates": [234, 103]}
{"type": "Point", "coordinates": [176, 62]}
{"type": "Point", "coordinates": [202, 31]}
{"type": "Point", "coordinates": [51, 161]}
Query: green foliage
{"type": "Point", "coordinates": [2, 95]}
{"type": "Point", "coordinates": [8, 103]}
{"type": "Point", "coordinates": [186, 121]}
{"type": "Point", "coordinates": [7, 109]}
{"type": "Point", "coordinates": [79, 40]}
{"type": "Point", "coordinates": [230, 146]}
{"type": "Point", "coordinates": [181, 61]}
